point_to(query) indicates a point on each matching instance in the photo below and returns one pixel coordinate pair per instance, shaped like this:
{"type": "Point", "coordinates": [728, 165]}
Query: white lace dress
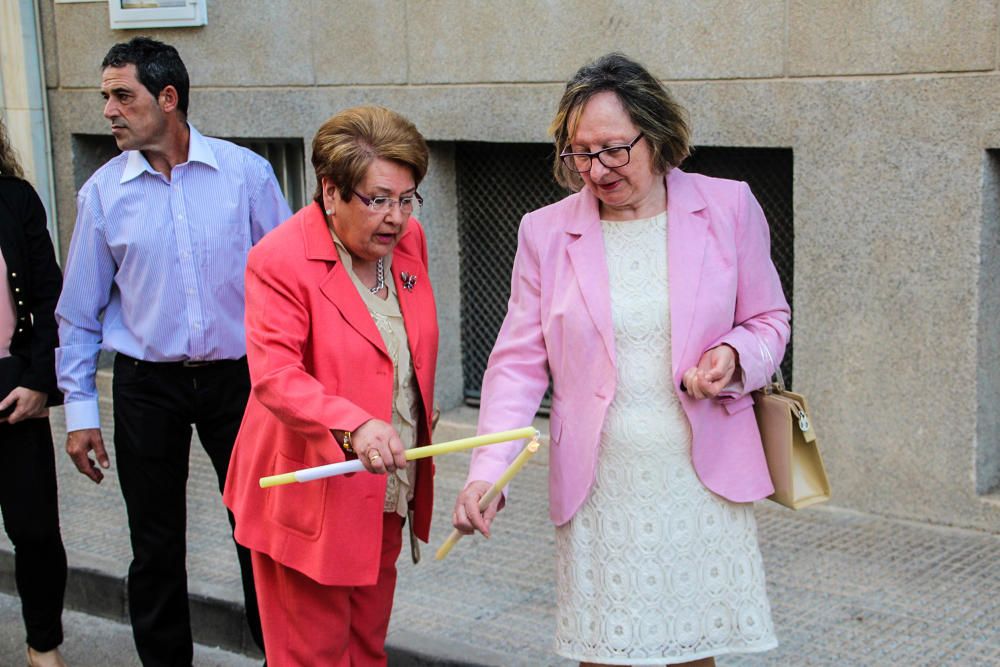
{"type": "Point", "coordinates": [654, 568]}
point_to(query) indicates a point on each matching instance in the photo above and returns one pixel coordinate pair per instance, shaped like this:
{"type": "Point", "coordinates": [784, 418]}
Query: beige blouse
{"type": "Point", "coordinates": [405, 397]}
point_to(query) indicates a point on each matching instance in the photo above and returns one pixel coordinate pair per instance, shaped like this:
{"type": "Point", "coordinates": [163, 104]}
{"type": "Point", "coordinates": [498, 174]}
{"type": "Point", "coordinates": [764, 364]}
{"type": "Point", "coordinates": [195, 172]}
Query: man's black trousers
{"type": "Point", "coordinates": [155, 406]}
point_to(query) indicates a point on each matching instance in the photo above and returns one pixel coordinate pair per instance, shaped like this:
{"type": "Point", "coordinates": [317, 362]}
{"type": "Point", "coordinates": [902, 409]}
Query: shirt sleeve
{"type": "Point", "coordinates": [762, 314]}
{"type": "Point", "coordinates": [517, 374]}
{"type": "Point", "coordinates": [90, 272]}
{"type": "Point", "coordinates": [278, 324]}
{"type": "Point", "coordinates": [268, 207]}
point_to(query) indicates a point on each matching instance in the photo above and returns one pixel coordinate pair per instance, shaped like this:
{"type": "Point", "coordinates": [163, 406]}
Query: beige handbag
{"type": "Point", "coordinates": [790, 446]}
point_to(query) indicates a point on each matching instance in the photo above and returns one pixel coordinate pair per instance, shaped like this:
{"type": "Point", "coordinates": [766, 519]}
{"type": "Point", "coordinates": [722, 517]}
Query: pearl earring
{"type": "Point", "coordinates": [329, 211]}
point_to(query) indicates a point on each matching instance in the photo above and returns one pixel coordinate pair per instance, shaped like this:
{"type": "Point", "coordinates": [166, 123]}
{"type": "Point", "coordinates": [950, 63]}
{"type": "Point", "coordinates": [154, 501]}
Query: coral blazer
{"type": "Point", "coordinates": [317, 362]}
{"type": "Point", "coordinates": [723, 289]}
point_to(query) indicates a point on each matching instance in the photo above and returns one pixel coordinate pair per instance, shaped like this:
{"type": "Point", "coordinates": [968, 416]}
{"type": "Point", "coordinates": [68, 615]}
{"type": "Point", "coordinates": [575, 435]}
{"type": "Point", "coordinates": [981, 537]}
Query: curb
{"type": "Point", "coordinates": [219, 622]}
{"type": "Point", "coordinates": [90, 590]}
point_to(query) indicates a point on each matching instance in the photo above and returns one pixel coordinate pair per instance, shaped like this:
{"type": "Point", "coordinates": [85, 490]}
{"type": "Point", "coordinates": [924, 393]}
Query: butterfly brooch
{"type": "Point", "coordinates": [408, 280]}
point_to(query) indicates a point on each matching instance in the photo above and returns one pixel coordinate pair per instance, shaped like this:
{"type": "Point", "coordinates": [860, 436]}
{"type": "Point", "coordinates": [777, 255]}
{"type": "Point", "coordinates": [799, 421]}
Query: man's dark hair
{"type": "Point", "coordinates": [157, 65]}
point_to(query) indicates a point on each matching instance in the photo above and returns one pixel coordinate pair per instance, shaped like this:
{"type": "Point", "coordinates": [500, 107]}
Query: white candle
{"type": "Point", "coordinates": [332, 469]}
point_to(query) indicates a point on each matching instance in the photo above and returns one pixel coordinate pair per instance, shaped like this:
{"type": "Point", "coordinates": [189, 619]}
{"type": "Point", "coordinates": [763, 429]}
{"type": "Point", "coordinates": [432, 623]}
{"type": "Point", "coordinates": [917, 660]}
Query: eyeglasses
{"type": "Point", "coordinates": [611, 157]}
{"type": "Point", "coordinates": [407, 203]}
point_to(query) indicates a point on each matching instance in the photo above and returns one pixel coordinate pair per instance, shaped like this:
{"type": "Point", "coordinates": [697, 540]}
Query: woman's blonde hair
{"type": "Point", "coordinates": [348, 142]}
{"type": "Point", "coordinates": [662, 121]}
{"type": "Point", "coordinates": [9, 166]}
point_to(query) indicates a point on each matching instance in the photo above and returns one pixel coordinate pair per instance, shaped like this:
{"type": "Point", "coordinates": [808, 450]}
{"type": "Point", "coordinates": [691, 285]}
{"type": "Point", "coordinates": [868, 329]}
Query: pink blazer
{"type": "Point", "coordinates": [723, 289]}
{"type": "Point", "coordinates": [317, 362]}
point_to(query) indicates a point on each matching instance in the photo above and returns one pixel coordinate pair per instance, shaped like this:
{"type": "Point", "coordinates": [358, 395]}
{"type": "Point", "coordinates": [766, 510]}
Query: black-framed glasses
{"type": "Point", "coordinates": [611, 157]}
{"type": "Point", "coordinates": [379, 204]}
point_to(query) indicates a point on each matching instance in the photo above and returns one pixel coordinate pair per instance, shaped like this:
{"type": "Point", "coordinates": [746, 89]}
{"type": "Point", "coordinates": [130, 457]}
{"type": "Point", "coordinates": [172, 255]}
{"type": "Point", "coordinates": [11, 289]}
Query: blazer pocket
{"type": "Point", "coordinates": [555, 428]}
{"type": "Point", "coordinates": [298, 508]}
{"type": "Point", "coordinates": [739, 404]}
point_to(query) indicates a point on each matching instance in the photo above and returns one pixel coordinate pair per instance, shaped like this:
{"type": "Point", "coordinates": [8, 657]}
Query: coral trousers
{"type": "Point", "coordinates": [307, 624]}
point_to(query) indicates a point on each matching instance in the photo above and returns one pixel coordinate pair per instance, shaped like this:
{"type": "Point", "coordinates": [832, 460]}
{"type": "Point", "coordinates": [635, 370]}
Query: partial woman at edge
{"type": "Point", "coordinates": [30, 282]}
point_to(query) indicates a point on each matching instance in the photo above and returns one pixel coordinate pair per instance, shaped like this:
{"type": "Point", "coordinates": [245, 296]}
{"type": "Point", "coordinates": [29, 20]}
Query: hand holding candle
{"type": "Point", "coordinates": [488, 497]}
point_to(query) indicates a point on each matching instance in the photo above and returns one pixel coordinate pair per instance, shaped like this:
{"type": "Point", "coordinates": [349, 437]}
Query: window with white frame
{"type": "Point", "coordinates": [130, 14]}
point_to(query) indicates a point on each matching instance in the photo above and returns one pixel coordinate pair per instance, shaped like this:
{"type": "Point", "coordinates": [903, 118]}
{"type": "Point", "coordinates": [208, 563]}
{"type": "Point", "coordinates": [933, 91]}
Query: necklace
{"type": "Point", "coordinates": [379, 277]}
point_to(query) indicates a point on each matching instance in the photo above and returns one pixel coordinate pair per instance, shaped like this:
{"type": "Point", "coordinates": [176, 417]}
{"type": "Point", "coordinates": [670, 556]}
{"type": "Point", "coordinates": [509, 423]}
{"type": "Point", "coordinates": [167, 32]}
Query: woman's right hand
{"type": "Point", "coordinates": [378, 447]}
{"type": "Point", "coordinates": [713, 373]}
{"type": "Point", "coordinates": [28, 404]}
{"type": "Point", "coordinates": [467, 517]}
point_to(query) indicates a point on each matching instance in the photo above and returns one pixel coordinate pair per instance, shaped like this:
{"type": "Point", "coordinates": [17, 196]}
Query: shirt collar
{"type": "Point", "coordinates": [199, 150]}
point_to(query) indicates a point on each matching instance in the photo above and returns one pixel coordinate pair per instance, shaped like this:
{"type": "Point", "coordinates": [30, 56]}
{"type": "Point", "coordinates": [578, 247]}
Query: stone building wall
{"type": "Point", "coordinates": [890, 109]}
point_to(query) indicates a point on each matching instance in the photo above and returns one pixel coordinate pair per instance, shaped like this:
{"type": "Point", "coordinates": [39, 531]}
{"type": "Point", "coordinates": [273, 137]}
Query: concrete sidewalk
{"type": "Point", "coordinates": [93, 641]}
{"type": "Point", "coordinates": [846, 589]}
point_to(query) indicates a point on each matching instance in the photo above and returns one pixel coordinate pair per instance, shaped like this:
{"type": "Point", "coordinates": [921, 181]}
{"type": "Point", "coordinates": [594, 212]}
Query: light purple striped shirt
{"type": "Point", "coordinates": [155, 267]}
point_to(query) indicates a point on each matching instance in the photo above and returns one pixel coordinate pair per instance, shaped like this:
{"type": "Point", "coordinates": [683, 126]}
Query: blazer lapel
{"type": "Point", "coordinates": [410, 300]}
{"type": "Point", "coordinates": [337, 285]}
{"type": "Point", "coordinates": [686, 238]}
{"type": "Point", "coordinates": [416, 304]}
{"type": "Point", "coordinates": [586, 255]}
{"type": "Point", "coordinates": [10, 242]}
{"type": "Point", "coordinates": [340, 290]}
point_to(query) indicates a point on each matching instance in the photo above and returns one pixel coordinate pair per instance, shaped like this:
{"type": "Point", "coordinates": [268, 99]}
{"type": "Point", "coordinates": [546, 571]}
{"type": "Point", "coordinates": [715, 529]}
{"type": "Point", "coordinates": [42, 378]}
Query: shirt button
{"type": "Point", "coordinates": [13, 275]}
{"type": "Point", "coordinates": [197, 325]}
{"type": "Point", "coordinates": [180, 216]}
{"type": "Point", "coordinates": [190, 290]}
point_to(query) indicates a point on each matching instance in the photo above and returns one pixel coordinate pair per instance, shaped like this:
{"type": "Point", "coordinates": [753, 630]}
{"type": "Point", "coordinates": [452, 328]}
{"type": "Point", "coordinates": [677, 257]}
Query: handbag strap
{"type": "Point", "coordinates": [779, 388]}
{"type": "Point", "coordinates": [765, 355]}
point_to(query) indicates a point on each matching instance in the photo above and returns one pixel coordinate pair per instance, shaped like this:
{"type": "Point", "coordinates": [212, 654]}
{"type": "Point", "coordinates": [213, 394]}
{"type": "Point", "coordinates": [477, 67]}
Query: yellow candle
{"type": "Point", "coordinates": [330, 470]}
{"type": "Point", "coordinates": [484, 502]}
{"type": "Point", "coordinates": [470, 443]}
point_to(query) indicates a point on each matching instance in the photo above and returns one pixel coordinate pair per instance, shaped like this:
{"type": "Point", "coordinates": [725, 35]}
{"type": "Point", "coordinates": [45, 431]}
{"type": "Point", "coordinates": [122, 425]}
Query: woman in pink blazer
{"type": "Point", "coordinates": [342, 344]}
{"type": "Point", "coordinates": [648, 297]}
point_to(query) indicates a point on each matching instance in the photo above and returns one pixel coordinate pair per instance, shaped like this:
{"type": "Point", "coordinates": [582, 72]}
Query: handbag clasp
{"type": "Point", "coordinates": [803, 420]}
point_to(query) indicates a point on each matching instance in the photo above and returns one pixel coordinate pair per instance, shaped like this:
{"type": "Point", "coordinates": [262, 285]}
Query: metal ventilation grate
{"type": "Point", "coordinates": [498, 183]}
{"type": "Point", "coordinates": [287, 158]}
{"type": "Point", "coordinates": [91, 151]}
{"type": "Point", "coordinates": [768, 172]}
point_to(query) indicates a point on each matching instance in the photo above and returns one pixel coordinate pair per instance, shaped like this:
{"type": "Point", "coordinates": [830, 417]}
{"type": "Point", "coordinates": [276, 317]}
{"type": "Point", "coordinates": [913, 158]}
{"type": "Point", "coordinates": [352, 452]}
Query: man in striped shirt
{"type": "Point", "coordinates": [155, 274]}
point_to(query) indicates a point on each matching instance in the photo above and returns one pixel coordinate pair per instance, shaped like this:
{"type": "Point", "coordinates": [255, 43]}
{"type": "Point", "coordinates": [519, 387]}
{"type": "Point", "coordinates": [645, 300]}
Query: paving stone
{"type": "Point", "coordinates": [845, 588]}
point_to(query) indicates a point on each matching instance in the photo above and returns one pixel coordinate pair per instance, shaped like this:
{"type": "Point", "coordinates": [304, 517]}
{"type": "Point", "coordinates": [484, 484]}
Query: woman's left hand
{"type": "Point", "coordinates": [30, 404]}
{"type": "Point", "coordinates": [713, 372]}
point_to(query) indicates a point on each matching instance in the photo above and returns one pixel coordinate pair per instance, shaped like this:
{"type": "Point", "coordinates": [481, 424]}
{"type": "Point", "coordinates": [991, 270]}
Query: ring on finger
{"type": "Point", "coordinates": [374, 455]}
